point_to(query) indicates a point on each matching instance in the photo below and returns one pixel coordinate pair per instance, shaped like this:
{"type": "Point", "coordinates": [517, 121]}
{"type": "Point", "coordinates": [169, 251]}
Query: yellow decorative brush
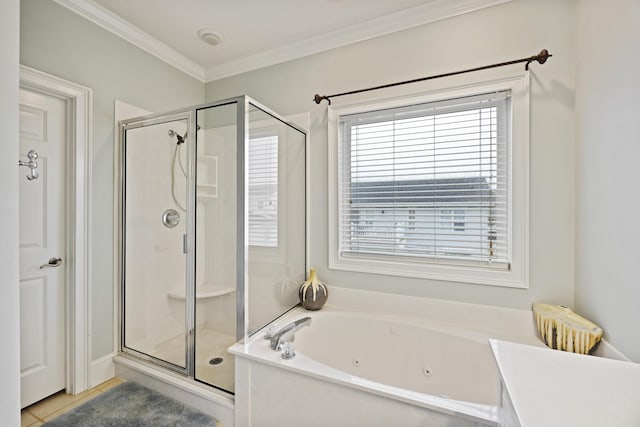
{"type": "Point", "coordinates": [562, 329]}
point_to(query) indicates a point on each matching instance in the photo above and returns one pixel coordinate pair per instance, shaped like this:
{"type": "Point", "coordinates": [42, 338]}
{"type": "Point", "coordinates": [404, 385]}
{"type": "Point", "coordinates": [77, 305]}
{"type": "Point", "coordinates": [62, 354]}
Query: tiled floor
{"type": "Point", "coordinates": [49, 408]}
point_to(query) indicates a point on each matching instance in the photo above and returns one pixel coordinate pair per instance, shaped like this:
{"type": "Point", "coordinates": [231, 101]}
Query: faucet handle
{"type": "Point", "coordinates": [288, 351]}
{"type": "Point", "coordinates": [269, 332]}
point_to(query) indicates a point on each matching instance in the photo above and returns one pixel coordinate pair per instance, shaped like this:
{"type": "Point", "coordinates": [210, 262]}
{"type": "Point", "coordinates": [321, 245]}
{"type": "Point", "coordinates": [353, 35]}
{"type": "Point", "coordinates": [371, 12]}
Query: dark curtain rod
{"type": "Point", "coordinates": [541, 58]}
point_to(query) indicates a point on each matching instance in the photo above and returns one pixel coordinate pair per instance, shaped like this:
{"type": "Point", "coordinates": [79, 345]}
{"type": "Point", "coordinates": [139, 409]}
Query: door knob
{"type": "Point", "coordinates": [53, 262]}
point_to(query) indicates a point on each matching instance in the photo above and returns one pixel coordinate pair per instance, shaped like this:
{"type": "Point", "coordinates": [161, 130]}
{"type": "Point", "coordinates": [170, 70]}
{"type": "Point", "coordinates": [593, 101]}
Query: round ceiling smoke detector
{"type": "Point", "coordinates": [210, 37]}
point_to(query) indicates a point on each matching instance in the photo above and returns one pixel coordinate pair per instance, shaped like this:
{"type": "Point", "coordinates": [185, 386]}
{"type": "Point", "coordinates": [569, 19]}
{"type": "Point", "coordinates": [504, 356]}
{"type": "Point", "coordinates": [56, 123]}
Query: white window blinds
{"type": "Point", "coordinates": [263, 191]}
{"type": "Point", "coordinates": [426, 182]}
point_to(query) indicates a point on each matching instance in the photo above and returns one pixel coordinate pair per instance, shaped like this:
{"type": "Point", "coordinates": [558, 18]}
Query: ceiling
{"type": "Point", "coordinates": [257, 33]}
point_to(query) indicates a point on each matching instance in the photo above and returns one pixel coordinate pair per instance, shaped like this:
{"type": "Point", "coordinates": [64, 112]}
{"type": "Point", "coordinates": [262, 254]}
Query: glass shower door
{"type": "Point", "coordinates": [250, 228]}
{"type": "Point", "coordinates": [216, 254]}
{"type": "Point", "coordinates": [153, 261]}
{"type": "Point", "coordinates": [213, 229]}
{"type": "Point", "coordinates": [276, 216]}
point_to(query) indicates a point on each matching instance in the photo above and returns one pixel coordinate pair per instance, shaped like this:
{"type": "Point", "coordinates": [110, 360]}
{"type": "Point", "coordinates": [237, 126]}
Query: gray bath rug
{"type": "Point", "coordinates": [132, 405]}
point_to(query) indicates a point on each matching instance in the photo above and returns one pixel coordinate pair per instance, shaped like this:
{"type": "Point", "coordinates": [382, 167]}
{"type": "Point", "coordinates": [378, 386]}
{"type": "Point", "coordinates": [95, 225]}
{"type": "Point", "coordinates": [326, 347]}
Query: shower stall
{"type": "Point", "coordinates": [212, 233]}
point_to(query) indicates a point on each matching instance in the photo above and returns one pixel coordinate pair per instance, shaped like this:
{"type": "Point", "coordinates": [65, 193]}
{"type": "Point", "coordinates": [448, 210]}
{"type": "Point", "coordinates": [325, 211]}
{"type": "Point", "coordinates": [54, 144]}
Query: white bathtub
{"type": "Point", "coordinates": [353, 368]}
{"type": "Point", "coordinates": [452, 364]}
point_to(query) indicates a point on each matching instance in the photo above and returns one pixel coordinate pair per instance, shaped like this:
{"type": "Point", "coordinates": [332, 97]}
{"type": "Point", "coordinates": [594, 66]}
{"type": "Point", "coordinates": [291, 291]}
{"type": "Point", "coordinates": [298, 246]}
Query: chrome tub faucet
{"type": "Point", "coordinates": [287, 333]}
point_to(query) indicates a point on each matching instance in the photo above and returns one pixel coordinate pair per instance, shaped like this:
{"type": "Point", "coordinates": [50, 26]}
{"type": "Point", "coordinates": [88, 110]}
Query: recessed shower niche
{"type": "Point", "coordinates": [229, 178]}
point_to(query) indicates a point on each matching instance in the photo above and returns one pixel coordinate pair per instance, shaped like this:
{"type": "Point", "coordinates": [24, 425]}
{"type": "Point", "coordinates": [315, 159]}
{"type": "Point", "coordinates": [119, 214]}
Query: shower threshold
{"type": "Point", "coordinates": [195, 394]}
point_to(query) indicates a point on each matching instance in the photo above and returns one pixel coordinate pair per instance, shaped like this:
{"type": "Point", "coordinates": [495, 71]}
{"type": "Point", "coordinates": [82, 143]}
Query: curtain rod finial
{"type": "Point", "coordinates": [541, 58]}
{"type": "Point", "coordinates": [318, 99]}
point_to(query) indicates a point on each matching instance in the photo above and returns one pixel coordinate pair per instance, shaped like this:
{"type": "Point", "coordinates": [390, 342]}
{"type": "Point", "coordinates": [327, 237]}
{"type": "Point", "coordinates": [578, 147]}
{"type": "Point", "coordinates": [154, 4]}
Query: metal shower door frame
{"type": "Point", "coordinates": [243, 104]}
{"type": "Point", "coordinates": [124, 126]}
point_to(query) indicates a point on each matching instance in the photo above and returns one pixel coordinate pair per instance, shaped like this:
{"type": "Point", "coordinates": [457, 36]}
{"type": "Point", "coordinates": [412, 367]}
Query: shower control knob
{"type": "Point", "coordinates": [170, 218]}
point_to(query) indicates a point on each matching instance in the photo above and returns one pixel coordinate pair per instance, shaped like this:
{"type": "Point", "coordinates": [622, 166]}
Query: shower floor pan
{"type": "Point", "coordinates": [210, 347]}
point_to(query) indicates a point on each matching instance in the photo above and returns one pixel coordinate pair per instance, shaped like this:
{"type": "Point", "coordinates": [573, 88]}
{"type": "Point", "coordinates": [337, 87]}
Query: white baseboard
{"type": "Point", "coordinates": [189, 392]}
{"type": "Point", "coordinates": [605, 349]}
{"type": "Point", "coordinates": [102, 370]}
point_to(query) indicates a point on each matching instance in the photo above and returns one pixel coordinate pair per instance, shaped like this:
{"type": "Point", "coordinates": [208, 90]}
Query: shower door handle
{"type": "Point", "coordinates": [53, 262]}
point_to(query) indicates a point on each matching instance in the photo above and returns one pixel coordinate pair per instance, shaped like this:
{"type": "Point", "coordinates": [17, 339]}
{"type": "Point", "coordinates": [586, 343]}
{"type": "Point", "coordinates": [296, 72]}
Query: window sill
{"type": "Point", "coordinates": [512, 277]}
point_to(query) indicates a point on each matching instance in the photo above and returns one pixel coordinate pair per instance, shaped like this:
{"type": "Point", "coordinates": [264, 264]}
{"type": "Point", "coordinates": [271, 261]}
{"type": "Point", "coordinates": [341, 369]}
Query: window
{"type": "Point", "coordinates": [425, 188]}
{"type": "Point", "coordinates": [446, 161]}
{"type": "Point", "coordinates": [452, 220]}
{"type": "Point", "coordinates": [263, 191]}
{"type": "Point", "coordinates": [412, 219]}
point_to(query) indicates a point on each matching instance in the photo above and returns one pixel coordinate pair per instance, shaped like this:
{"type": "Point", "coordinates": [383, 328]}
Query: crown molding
{"type": "Point", "coordinates": [432, 11]}
{"type": "Point", "coordinates": [413, 17]}
{"type": "Point", "coordinates": [125, 30]}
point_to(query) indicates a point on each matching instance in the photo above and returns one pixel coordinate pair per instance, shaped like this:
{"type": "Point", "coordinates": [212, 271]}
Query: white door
{"type": "Point", "coordinates": [42, 243]}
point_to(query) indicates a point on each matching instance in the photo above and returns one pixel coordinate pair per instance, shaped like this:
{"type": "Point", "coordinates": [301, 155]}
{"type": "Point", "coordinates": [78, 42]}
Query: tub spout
{"type": "Point", "coordinates": [287, 334]}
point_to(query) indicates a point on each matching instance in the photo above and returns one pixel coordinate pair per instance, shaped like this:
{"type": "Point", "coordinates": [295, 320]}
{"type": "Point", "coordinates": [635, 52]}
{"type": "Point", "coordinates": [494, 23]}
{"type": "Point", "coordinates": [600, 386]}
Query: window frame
{"type": "Point", "coordinates": [517, 273]}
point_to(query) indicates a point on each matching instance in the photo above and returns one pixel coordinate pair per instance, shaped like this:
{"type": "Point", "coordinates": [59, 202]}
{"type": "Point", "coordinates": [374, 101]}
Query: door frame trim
{"type": "Point", "coordinates": [78, 219]}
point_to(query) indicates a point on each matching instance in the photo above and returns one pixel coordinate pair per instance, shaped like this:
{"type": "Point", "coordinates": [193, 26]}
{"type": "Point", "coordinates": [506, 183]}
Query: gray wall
{"type": "Point", "coordinates": [9, 288]}
{"type": "Point", "coordinates": [61, 43]}
{"type": "Point", "coordinates": [607, 153]}
{"type": "Point", "coordinates": [513, 30]}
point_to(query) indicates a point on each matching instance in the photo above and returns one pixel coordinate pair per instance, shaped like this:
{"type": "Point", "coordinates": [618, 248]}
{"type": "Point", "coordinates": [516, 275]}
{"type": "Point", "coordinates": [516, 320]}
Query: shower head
{"type": "Point", "coordinates": [183, 138]}
{"type": "Point", "coordinates": [180, 139]}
